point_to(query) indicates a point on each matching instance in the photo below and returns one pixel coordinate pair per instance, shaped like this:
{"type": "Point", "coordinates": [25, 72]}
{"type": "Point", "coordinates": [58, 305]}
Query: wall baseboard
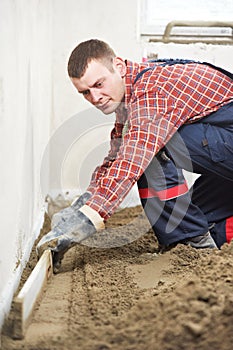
{"type": "Point", "coordinates": [25, 302]}
{"type": "Point", "coordinates": [7, 294]}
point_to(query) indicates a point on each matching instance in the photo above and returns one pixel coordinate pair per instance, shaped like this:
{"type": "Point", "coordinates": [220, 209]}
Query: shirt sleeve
{"type": "Point", "coordinates": [101, 171]}
{"type": "Point", "coordinates": [149, 128]}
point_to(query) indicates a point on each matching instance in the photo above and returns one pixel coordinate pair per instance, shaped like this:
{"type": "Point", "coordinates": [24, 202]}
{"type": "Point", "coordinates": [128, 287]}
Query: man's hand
{"type": "Point", "coordinates": [71, 229]}
{"type": "Point", "coordinates": [65, 213]}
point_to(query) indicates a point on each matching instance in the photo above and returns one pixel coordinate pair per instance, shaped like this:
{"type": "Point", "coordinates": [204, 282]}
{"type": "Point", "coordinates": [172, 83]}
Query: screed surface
{"type": "Point", "coordinates": [128, 298]}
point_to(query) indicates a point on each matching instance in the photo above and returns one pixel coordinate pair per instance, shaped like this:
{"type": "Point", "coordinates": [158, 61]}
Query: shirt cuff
{"type": "Point", "coordinates": [93, 216]}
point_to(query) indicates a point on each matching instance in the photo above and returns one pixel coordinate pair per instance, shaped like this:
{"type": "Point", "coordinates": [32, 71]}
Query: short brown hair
{"type": "Point", "coordinates": [86, 51]}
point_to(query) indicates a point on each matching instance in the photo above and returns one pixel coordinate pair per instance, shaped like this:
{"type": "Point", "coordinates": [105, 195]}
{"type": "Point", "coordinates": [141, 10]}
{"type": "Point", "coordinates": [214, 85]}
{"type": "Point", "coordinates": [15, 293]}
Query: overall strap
{"type": "Point", "coordinates": [172, 61]}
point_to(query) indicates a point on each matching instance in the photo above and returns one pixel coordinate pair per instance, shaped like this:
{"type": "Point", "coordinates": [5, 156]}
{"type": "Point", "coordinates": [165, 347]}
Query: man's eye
{"type": "Point", "coordinates": [85, 93]}
{"type": "Point", "coordinates": [99, 84]}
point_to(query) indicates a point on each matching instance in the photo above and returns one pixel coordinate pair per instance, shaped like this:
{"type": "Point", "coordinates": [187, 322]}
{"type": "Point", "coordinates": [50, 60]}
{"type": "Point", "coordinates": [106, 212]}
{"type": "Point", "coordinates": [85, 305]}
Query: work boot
{"type": "Point", "coordinates": [201, 242]}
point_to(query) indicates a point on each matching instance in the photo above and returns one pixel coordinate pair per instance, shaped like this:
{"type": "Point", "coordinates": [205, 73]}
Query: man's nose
{"type": "Point", "coordinates": [95, 96]}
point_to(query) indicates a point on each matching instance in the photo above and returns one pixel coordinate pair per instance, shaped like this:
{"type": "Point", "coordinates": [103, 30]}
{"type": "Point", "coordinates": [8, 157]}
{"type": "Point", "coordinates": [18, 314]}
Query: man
{"type": "Point", "coordinates": [170, 115]}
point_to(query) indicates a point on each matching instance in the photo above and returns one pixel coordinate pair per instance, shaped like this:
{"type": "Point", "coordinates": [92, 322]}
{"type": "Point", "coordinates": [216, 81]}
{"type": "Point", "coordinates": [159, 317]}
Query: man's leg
{"type": "Point", "coordinates": [201, 148]}
{"type": "Point", "coordinates": [214, 196]}
{"type": "Point", "coordinates": [167, 203]}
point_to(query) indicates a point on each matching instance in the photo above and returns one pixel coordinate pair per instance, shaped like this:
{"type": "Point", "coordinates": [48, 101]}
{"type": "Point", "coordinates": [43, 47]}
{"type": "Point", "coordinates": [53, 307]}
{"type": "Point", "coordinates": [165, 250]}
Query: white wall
{"type": "Point", "coordinates": [36, 97]}
{"type": "Point", "coordinates": [75, 21]}
{"type": "Point", "coordinates": [38, 105]}
{"type": "Point", "coordinates": [25, 107]}
{"type": "Point", "coordinates": [220, 55]}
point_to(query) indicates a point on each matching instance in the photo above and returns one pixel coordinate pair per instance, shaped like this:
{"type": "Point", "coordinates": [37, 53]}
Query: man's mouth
{"type": "Point", "coordinates": [103, 106]}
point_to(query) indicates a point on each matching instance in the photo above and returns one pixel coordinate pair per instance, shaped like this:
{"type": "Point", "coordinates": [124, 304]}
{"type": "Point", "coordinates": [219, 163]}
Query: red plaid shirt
{"type": "Point", "coordinates": [161, 100]}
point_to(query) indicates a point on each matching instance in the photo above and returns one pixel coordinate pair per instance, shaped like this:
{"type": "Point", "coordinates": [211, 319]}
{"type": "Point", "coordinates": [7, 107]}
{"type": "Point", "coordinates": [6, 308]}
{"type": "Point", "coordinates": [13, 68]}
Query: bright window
{"type": "Point", "coordinates": [155, 15]}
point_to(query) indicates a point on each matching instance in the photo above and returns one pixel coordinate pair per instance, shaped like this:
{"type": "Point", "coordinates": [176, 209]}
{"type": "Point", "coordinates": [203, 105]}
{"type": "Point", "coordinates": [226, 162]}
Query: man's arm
{"type": "Point", "coordinates": [115, 142]}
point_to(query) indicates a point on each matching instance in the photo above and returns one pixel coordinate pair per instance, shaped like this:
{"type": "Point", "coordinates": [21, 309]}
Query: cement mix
{"type": "Point", "coordinates": [129, 297]}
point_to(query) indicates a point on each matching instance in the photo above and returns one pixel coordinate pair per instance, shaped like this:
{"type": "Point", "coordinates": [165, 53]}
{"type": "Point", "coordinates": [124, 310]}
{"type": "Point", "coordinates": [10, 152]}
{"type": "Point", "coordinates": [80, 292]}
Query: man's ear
{"type": "Point", "coordinates": [120, 65]}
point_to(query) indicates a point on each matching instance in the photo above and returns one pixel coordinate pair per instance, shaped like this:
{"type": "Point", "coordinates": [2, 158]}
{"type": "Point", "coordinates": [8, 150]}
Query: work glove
{"type": "Point", "coordinates": [63, 215]}
{"type": "Point", "coordinates": [66, 212]}
{"type": "Point", "coordinates": [71, 229]}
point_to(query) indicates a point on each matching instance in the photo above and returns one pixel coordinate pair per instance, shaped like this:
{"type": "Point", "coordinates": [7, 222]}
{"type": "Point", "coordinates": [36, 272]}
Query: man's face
{"type": "Point", "coordinates": [103, 88]}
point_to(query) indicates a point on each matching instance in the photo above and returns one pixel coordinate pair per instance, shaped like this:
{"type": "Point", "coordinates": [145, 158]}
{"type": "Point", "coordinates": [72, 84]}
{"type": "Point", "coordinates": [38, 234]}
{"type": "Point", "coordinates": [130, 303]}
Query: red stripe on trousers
{"type": "Point", "coordinates": [229, 229]}
{"type": "Point", "coordinates": [164, 195]}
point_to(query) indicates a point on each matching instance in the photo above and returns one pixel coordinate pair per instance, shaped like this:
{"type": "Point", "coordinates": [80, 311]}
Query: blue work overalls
{"type": "Point", "coordinates": [177, 213]}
